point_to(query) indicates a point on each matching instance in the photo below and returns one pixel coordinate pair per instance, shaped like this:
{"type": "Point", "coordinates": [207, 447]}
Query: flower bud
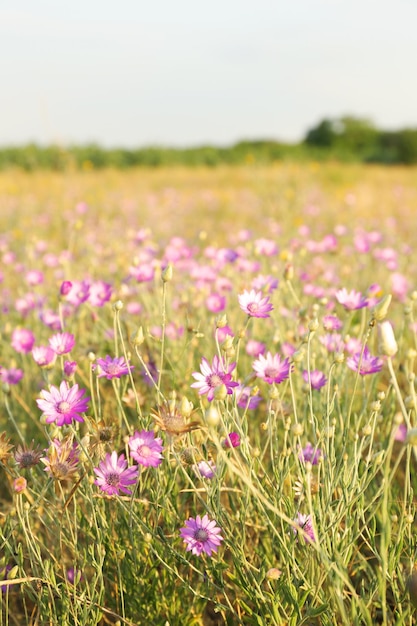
{"type": "Point", "coordinates": [381, 309]}
{"type": "Point", "coordinates": [387, 342]}
{"type": "Point", "coordinates": [167, 273]}
{"type": "Point", "coordinates": [186, 407]}
{"type": "Point", "coordinates": [118, 305]}
{"type": "Point", "coordinates": [137, 338]}
{"type": "Point", "coordinates": [212, 416]}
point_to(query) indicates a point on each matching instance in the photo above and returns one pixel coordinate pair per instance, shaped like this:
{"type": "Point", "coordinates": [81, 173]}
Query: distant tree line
{"type": "Point", "coordinates": [344, 139]}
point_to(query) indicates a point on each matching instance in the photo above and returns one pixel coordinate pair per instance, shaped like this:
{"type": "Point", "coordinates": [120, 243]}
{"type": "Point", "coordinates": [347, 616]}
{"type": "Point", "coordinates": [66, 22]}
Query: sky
{"type": "Point", "coordinates": [185, 72]}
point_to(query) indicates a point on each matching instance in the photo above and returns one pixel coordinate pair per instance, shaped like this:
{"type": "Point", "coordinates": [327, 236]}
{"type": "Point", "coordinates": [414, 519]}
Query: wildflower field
{"type": "Point", "coordinates": [208, 404]}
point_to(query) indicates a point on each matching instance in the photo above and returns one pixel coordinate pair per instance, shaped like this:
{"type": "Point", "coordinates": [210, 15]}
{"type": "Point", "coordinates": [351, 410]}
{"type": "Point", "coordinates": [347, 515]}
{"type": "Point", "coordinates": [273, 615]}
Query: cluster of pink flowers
{"type": "Point", "coordinates": [113, 473]}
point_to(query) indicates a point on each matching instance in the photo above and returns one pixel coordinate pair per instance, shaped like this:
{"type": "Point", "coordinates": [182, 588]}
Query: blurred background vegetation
{"type": "Point", "coordinates": [346, 139]}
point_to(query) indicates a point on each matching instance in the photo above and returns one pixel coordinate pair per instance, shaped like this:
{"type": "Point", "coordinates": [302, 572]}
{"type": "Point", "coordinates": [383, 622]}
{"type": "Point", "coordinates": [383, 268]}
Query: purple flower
{"type": "Point", "coordinates": [317, 378]}
{"type": "Point", "coordinates": [63, 405]}
{"type": "Point", "coordinates": [113, 475]}
{"type": "Point", "coordinates": [11, 376]}
{"type": "Point", "coordinates": [112, 368]}
{"type": "Point", "coordinates": [245, 399]}
{"type": "Point", "coordinates": [62, 343]}
{"type": "Point", "coordinates": [364, 363]}
{"type": "Point", "coordinates": [213, 376]}
{"type": "Point", "coordinates": [310, 454]}
{"type": "Point", "coordinates": [305, 524]}
{"type": "Point", "coordinates": [23, 340]}
{"type": "Point", "coordinates": [255, 304]}
{"type": "Point", "coordinates": [351, 300]}
{"type": "Point", "coordinates": [271, 368]}
{"type": "Point", "coordinates": [70, 368]}
{"type": "Point", "coordinates": [231, 441]}
{"type": "Point", "coordinates": [146, 449]}
{"type": "Point", "coordinates": [201, 535]}
{"type": "Point", "coordinates": [205, 469]}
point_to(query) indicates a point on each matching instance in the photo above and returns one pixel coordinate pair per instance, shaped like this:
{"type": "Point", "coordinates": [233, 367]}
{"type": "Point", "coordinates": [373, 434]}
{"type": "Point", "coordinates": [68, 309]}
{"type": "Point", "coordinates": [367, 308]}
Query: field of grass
{"type": "Point", "coordinates": [208, 405]}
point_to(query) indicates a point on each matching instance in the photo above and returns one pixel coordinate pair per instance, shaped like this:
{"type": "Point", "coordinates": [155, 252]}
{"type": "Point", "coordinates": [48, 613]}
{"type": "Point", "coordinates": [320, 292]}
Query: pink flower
{"type": "Point", "coordinates": [62, 343]}
{"type": "Point", "coordinates": [23, 340]}
{"type": "Point", "coordinates": [205, 469]}
{"type": "Point", "coordinates": [44, 356]}
{"type": "Point", "coordinates": [112, 368]}
{"type": "Point", "coordinates": [351, 300]}
{"type": "Point", "coordinates": [11, 376]}
{"type": "Point", "coordinates": [317, 379]}
{"type": "Point", "coordinates": [63, 405]}
{"type": "Point", "coordinates": [215, 303]}
{"type": "Point", "coordinates": [76, 292]}
{"type": "Point", "coordinates": [231, 441]}
{"type": "Point", "coordinates": [201, 535]}
{"type": "Point", "coordinates": [146, 449]}
{"type": "Point", "coordinates": [99, 293]}
{"type": "Point", "coordinates": [213, 376]}
{"type": "Point", "coordinates": [305, 525]}
{"type": "Point", "coordinates": [255, 304]}
{"type": "Point", "coordinates": [255, 348]}
{"type": "Point", "coordinates": [364, 363]}
{"type": "Point", "coordinates": [332, 342]}
{"type": "Point", "coordinates": [113, 475]}
{"type": "Point", "coordinates": [271, 368]}
{"type": "Point", "coordinates": [245, 399]}
{"type": "Point", "coordinates": [331, 322]}
{"type": "Point", "coordinates": [310, 454]}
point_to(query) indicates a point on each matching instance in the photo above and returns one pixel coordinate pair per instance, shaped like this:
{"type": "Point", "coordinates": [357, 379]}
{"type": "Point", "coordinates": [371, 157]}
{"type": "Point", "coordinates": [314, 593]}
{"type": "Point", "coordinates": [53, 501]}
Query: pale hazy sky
{"type": "Point", "coordinates": [184, 72]}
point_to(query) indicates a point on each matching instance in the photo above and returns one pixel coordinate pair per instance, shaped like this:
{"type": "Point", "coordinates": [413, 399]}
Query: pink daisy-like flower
{"type": "Point", "coordinates": [146, 449]}
{"type": "Point", "coordinates": [317, 378]}
{"type": "Point", "coordinates": [305, 524]}
{"type": "Point", "coordinates": [44, 356]}
{"type": "Point", "coordinates": [63, 405]}
{"type": "Point", "coordinates": [205, 469]}
{"type": "Point", "coordinates": [331, 323]}
{"type": "Point", "coordinates": [351, 300]}
{"type": "Point", "coordinates": [76, 292]}
{"type": "Point", "coordinates": [112, 367]}
{"type": "Point", "coordinates": [62, 343]}
{"type": "Point", "coordinates": [23, 340]}
{"type": "Point", "coordinates": [368, 364]}
{"type": "Point", "coordinates": [201, 535]}
{"type": "Point", "coordinates": [99, 293]}
{"type": "Point", "coordinates": [255, 304]}
{"type": "Point", "coordinates": [113, 475]}
{"type": "Point", "coordinates": [271, 368]}
{"type": "Point", "coordinates": [213, 376]}
{"type": "Point", "coordinates": [12, 376]}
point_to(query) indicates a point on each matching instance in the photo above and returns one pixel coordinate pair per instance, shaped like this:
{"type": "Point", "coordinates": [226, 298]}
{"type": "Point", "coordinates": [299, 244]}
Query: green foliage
{"type": "Point", "coordinates": [344, 139]}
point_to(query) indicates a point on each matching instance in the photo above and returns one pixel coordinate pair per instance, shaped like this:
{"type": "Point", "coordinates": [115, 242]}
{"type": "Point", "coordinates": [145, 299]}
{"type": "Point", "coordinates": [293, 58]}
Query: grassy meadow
{"type": "Point", "coordinates": [208, 404]}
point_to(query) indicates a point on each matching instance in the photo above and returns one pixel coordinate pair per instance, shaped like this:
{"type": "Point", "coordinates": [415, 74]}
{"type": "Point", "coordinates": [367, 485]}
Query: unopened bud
{"type": "Point", "coordinates": [381, 309]}
{"type": "Point", "coordinates": [313, 325]}
{"type": "Point", "coordinates": [118, 305]}
{"type": "Point", "coordinates": [221, 321]}
{"type": "Point", "coordinates": [167, 273]}
{"type": "Point", "coordinates": [289, 271]}
{"type": "Point", "coordinates": [137, 338]}
{"type": "Point", "coordinates": [220, 392]}
{"type": "Point", "coordinates": [387, 342]}
{"type": "Point", "coordinates": [186, 407]}
{"type": "Point", "coordinates": [212, 416]}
